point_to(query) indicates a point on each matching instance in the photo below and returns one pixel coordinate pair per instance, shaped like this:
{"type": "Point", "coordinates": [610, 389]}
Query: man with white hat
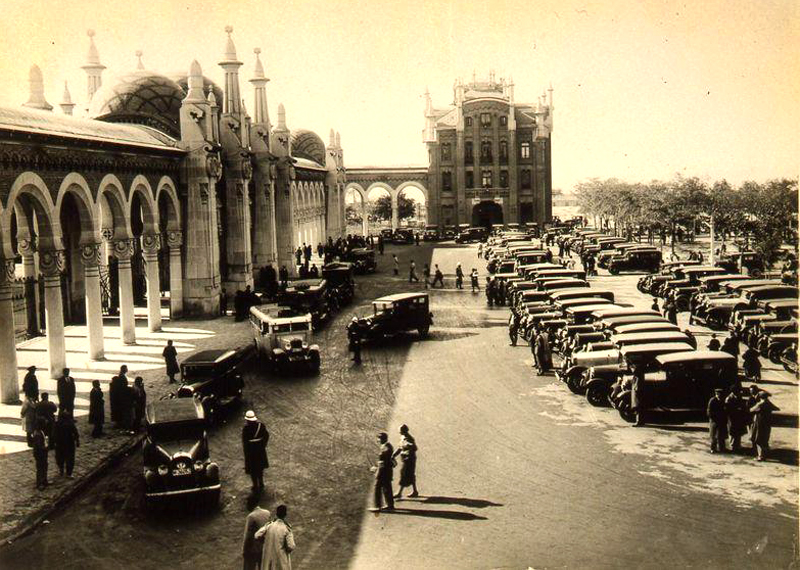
{"type": "Point", "coordinates": [254, 444]}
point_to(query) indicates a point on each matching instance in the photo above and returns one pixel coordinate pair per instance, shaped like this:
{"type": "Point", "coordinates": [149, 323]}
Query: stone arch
{"type": "Point", "coordinates": [76, 185]}
{"type": "Point", "coordinates": [141, 187]}
{"type": "Point", "coordinates": [411, 184]}
{"type": "Point", "coordinates": [166, 195]}
{"type": "Point", "coordinates": [112, 208]}
{"type": "Point", "coordinates": [358, 188]}
{"type": "Point", "coordinates": [29, 195]}
{"type": "Point", "coordinates": [382, 186]}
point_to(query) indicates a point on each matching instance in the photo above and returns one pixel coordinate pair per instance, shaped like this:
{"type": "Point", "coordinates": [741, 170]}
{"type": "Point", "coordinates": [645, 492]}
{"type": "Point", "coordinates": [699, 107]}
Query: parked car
{"type": "Point", "coordinates": [338, 277]}
{"type": "Point", "coordinates": [472, 235]}
{"type": "Point", "coordinates": [741, 261]}
{"type": "Point", "coordinates": [283, 339]}
{"type": "Point", "coordinates": [635, 260]}
{"type": "Point", "coordinates": [363, 259]}
{"type": "Point", "coordinates": [214, 377]}
{"type": "Point", "coordinates": [395, 314]}
{"type": "Point", "coordinates": [431, 233]}
{"type": "Point", "coordinates": [789, 359]}
{"type": "Point", "coordinates": [175, 453]}
{"type": "Point", "coordinates": [403, 236]}
{"type": "Point", "coordinates": [639, 338]}
{"type": "Point", "coordinates": [308, 296]}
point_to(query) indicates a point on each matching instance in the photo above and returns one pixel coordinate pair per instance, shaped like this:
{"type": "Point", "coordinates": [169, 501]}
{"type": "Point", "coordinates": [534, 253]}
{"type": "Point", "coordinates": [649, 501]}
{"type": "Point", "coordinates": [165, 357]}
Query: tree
{"type": "Point", "coordinates": [352, 214]}
{"type": "Point", "coordinates": [382, 208]}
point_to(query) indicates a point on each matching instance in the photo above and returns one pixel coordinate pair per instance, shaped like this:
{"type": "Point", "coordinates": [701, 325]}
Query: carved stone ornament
{"type": "Point", "coordinates": [247, 169]}
{"type": "Point", "coordinates": [292, 173]}
{"type": "Point", "coordinates": [108, 234]}
{"type": "Point", "coordinates": [51, 263]}
{"type": "Point", "coordinates": [213, 167]}
{"type": "Point", "coordinates": [122, 249]}
{"type": "Point", "coordinates": [204, 194]}
{"type": "Point", "coordinates": [26, 247]}
{"type": "Point", "coordinates": [91, 254]}
{"type": "Point", "coordinates": [273, 171]}
{"type": "Point", "coordinates": [151, 243]}
{"type": "Point", "coordinates": [174, 239]}
{"type": "Point", "coordinates": [7, 274]}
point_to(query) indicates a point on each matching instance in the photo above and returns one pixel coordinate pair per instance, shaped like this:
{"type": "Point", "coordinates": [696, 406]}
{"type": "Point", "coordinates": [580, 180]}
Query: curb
{"type": "Point", "coordinates": [31, 522]}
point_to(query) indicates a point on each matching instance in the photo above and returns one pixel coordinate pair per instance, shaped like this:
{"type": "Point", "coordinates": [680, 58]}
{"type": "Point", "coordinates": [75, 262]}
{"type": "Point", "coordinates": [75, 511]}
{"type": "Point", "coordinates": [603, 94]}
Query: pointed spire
{"type": "Point", "coordinates": [139, 64]}
{"type": "Point", "coordinates": [338, 140]}
{"type": "Point", "coordinates": [36, 99]}
{"type": "Point", "coordinates": [93, 68]}
{"type": "Point", "coordinates": [92, 57]}
{"type": "Point", "coordinates": [66, 101]}
{"type": "Point", "coordinates": [281, 117]}
{"type": "Point", "coordinates": [550, 95]}
{"type": "Point", "coordinates": [332, 139]}
{"type": "Point", "coordinates": [259, 81]}
{"type": "Point", "coordinates": [231, 105]}
{"type": "Point", "coordinates": [230, 49]}
{"type": "Point", "coordinates": [259, 71]}
{"type": "Point", "coordinates": [195, 84]}
{"type": "Point", "coordinates": [212, 99]}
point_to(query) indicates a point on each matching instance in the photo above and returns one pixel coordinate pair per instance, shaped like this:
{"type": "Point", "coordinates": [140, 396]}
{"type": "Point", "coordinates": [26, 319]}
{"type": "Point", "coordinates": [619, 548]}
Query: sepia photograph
{"type": "Point", "coordinates": [330, 284]}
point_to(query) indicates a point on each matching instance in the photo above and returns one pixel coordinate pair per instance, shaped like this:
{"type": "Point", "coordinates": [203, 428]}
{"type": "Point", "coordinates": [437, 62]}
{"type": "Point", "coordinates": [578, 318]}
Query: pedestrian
{"type": "Point", "coordinates": [383, 474]}
{"type": "Point", "coordinates": [762, 424]}
{"type": "Point", "coordinates": [459, 276]}
{"type": "Point", "coordinates": [490, 287]}
{"type": "Point", "coordinates": [751, 362]}
{"type": "Point", "coordinates": [544, 357]}
{"type": "Point", "coordinates": [408, 457]}
{"type": "Point", "coordinates": [513, 328]}
{"type": "Point", "coordinates": [67, 439]}
{"type": "Point", "coordinates": [65, 389]}
{"type": "Point", "coordinates": [412, 272]}
{"type": "Point", "coordinates": [170, 355]}
{"type": "Point", "coordinates": [28, 415]}
{"type": "Point", "coordinates": [426, 275]}
{"type": "Point", "coordinates": [654, 306]}
{"type": "Point", "coordinates": [354, 340]}
{"type": "Point", "coordinates": [731, 346]}
{"type": "Point", "coordinates": [97, 412]}
{"type": "Point", "coordinates": [438, 277]}
{"type": "Point", "coordinates": [139, 403]}
{"type": "Point", "coordinates": [637, 396]}
{"type": "Point", "coordinates": [255, 438]}
{"type": "Point", "coordinates": [713, 344]}
{"type": "Point", "coordinates": [717, 422]}
{"type": "Point", "coordinates": [473, 279]}
{"type": "Point", "coordinates": [314, 271]}
{"type": "Point", "coordinates": [396, 265]}
{"type": "Point", "coordinates": [380, 244]}
{"type": "Point", "coordinates": [737, 418]}
{"type": "Point", "coordinates": [39, 444]}
{"type": "Point", "coordinates": [298, 254]}
{"type": "Point", "coordinates": [480, 251]}
{"type": "Point", "coordinates": [278, 542]}
{"type": "Point", "coordinates": [46, 411]}
{"type": "Point", "coordinates": [252, 548]}
{"type": "Point", "coordinates": [30, 386]}
{"type": "Point", "coordinates": [416, 238]}
{"type": "Point", "coordinates": [223, 302]}
{"type": "Point", "coordinates": [283, 277]}
{"type": "Point", "coordinates": [671, 312]}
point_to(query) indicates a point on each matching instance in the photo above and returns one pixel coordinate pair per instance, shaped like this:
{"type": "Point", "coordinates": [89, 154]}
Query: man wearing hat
{"type": "Point", "coordinates": [354, 338]}
{"type": "Point", "coordinates": [383, 474]}
{"type": "Point", "coordinates": [30, 386]}
{"type": "Point", "coordinates": [254, 444]}
{"type": "Point", "coordinates": [717, 421]}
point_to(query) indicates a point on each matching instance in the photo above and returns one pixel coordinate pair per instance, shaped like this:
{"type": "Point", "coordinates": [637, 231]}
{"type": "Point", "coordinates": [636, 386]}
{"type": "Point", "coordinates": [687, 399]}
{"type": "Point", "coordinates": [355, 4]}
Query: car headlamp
{"type": "Point", "coordinates": [199, 465]}
{"type": "Point", "coordinates": [163, 470]}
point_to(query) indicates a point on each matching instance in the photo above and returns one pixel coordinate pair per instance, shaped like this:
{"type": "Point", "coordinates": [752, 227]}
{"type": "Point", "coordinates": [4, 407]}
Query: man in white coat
{"type": "Point", "coordinates": [278, 542]}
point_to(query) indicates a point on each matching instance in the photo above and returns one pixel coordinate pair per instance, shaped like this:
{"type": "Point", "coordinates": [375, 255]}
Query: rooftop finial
{"type": "Point", "coordinates": [195, 83]}
{"type": "Point", "coordinates": [332, 142]}
{"type": "Point", "coordinates": [259, 72]}
{"type": "Point", "coordinates": [139, 64]}
{"type": "Point", "coordinates": [36, 99]}
{"type": "Point", "coordinates": [281, 116]}
{"type": "Point", "coordinates": [92, 57]}
{"type": "Point", "coordinates": [66, 101]}
{"type": "Point", "coordinates": [230, 49]}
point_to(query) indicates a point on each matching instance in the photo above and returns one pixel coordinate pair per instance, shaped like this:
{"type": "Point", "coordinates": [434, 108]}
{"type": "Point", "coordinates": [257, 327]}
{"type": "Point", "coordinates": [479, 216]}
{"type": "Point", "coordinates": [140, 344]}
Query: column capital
{"type": "Point", "coordinates": [51, 262]}
{"type": "Point", "coordinates": [174, 239]}
{"type": "Point", "coordinates": [122, 249]}
{"type": "Point", "coordinates": [151, 243]}
{"type": "Point", "coordinates": [26, 246]}
{"type": "Point", "coordinates": [7, 272]}
{"type": "Point", "coordinates": [91, 254]}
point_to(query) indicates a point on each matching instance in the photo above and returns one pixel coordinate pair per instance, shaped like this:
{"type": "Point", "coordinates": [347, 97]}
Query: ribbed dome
{"type": "Point", "coordinates": [141, 97]}
{"type": "Point", "coordinates": [307, 144]}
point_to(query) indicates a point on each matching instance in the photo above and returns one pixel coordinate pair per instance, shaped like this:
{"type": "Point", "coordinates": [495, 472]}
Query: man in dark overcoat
{"type": "Point", "coordinates": [65, 389]}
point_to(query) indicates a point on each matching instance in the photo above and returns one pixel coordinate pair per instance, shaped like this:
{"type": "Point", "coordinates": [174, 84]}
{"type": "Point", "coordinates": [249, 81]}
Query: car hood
{"type": "Point", "coordinates": [170, 449]}
{"type": "Point", "coordinates": [595, 357]}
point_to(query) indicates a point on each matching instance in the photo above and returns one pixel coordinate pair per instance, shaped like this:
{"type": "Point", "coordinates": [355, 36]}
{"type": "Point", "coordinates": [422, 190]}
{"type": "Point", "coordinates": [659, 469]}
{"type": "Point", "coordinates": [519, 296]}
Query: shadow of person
{"type": "Point", "coordinates": [462, 501]}
{"type": "Point", "coordinates": [785, 456]}
{"type": "Point", "coordinates": [449, 515]}
{"type": "Point", "coordinates": [784, 420]}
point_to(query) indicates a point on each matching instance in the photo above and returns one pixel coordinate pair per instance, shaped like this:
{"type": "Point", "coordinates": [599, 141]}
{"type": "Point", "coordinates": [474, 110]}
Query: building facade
{"type": "Point", "coordinates": [489, 156]}
{"type": "Point", "coordinates": [167, 191]}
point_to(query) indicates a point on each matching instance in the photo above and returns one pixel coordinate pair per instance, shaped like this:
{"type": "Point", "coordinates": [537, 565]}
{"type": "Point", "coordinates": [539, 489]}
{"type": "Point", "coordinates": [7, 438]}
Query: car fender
{"type": "Point", "coordinates": [600, 381]}
{"type": "Point", "coordinates": [278, 352]}
{"type": "Point", "coordinates": [575, 370]}
{"type": "Point", "coordinates": [313, 348]}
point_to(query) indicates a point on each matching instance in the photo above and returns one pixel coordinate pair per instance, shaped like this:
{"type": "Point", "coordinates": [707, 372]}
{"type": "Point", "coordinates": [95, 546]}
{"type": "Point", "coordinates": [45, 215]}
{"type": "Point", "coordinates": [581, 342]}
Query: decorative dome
{"type": "Point", "coordinates": [182, 79]}
{"type": "Point", "coordinates": [141, 97]}
{"type": "Point", "coordinates": [307, 144]}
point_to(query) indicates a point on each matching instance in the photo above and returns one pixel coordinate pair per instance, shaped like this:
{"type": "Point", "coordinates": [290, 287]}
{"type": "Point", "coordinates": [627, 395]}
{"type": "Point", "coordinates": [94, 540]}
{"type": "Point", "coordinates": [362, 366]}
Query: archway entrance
{"type": "Point", "coordinates": [486, 214]}
{"type": "Point", "coordinates": [412, 207]}
{"type": "Point", "coordinates": [355, 212]}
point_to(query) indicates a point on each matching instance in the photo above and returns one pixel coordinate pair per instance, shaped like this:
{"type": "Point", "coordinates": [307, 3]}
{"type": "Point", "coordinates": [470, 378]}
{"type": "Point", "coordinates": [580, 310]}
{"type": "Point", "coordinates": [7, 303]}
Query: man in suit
{"type": "Point", "coordinates": [254, 444]}
{"type": "Point", "coordinates": [251, 547]}
{"type": "Point", "coordinates": [383, 474]}
{"type": "Point", "coordinates": [65, 388]}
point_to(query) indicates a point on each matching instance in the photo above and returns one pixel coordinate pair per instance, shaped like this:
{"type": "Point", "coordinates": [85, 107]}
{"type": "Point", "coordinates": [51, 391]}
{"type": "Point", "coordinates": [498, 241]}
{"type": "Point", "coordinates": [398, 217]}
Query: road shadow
{"type": "Point", "coordinates": [683, 428]}
{"type": "Point", "coordinates": [461, 501]}
{"type": "Point", "coordinates": [428, 513]}
{"type": "Point", "coordinates": [777, 382]}
{"type": "Point", "coordinates": [442, 335]}
{"type": "Point", "coordinates": [784, 420]}
{"type": "Point", "coordinates": [785, 456]}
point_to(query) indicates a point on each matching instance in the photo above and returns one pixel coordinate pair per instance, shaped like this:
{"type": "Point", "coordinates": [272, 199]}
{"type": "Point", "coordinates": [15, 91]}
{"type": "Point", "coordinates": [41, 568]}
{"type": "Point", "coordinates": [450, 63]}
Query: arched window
{"type": "Point", "coordinates": [503, 121]}
{"type": "Point", "coordinates": [486, 151]}
{"type": "Point", "coordinates": [503, 150]}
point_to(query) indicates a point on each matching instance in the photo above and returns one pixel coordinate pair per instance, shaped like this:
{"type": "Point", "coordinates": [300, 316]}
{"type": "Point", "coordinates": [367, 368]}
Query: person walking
{"type": "Point", "coordinates": [407, 450]}
{"type": "Point", "coordinates": [473, 279]}
{"type": "Point", "coordinates": [278, 542]}
{"type": "Point", "coordinates": [416, 238]}
{"type": "Point", "coordinates": [412, 272]}
{"type": "Point", "coordinates": [97, 412]}
{"type": "Point", "coordinates": [713, 343]}
{"type": "Point", "coordinates": [544, 357]}
{"type": "Point", "coordinates": [253, 548]}
{"type": "Point", "coordinates": [28, 415]}
{"type": "Point", "coordinates": [65, 389]}
{"type": "Point", "coordinates": [383, 475]}
{"type": "Point", "coordinates": [380, 244]}
{"type": "Point", "coordinates": [139, 403]}
{"type": "Point", "coordinates": [46, 411]}
{"type": "Point", "coordinates": [513, 328]}
{"type": "Point", "coordinates": [30, 386]}
{"type": "Point", "coordinates": [717, 422]}
{"type": "Point", "coordinates": [426, 275]}
{"type": "Point", "coordinates": [490, 287]}
{"type": "Point", "coordinates": [170, 355]}
{"type": "Point", "coordinates": [762, 424]}
{"type": "Point", "coordinates": [354, 340]}
{"type": "Point", "coordinates": [731, 346]}
{"type": "Point", "coordinates": [396, 265]}
{"type": "Point", "coordinates": [751, 362]}
{"type": "Point", "coordinates": [298, 254]}
{"type": "Point", "coordinates": [39, 444]}
{"type": "Point", "coordinates": [438, 277]}
{"type": "Point", "coordinates": [67, 439]}
{"type": "Point", "coordinates": [459, 276]}
{"type": "Point", "coordinates": [654, 306]}
{"type": "Point", "coordinates": [737, 418]}
{"type": "Point", "coordinates": [255, 438]}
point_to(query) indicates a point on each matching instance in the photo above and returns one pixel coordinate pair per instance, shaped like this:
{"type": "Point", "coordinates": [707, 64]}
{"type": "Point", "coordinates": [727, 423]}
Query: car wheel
{"type": "Point", "coordinates": [625, 411]}
{"type": "Point", "coordinates": [597, 395]}
{"type": "Point", "coordinates": [613, 270]}
{"type": "Point", "coordinates": [423, 332]}
{"type": "Point", "coordinates": [573, 381]}
{"type": "Point", "coordinates": [774, 354]}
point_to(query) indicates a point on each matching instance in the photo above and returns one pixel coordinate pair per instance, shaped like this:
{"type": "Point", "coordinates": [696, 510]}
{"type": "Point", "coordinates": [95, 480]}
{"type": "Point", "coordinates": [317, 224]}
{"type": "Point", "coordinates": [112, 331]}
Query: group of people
{"type": "Point", "coordinates": [730, 417]}
{"type": "Point", "coordinates": [384, 469]}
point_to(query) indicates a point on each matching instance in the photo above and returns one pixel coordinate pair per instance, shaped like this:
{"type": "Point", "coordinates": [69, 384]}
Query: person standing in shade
{"type": "Point", "coordinates": [717, 422]}
{"type": "Point", "coordinates": [637, 396]}
{"type": "Point", "coordinates": [513, 328]}
{"type": "Point", "coordinates": [30, 386]}
{"type": "Point", "coordinates": [407, 450]}
{"type": "Point", "coordinates": [67, 439]}
{"type": "Point", "coordinates": [283, 277]}
{"type": "Point", "coordinates": [139, 403]}
{"type": "Point", "coordinates": [737, 418]}
{"type": "Point", "coordinates": [544, 357]}
{"type": "Point", "coordinates": [473, 280]}
{"type": "Point", "coordinates": [255, 438]}
{"type": "Point", "coordinates": [223, 302]}
{"type": "Point", "coordinates": [28, 415]}
{"type": "Point", "coordinates": [354, 338]}
{"type": "Point", "coordinates": [278, 542]}
{"type": "Point", "coordinates": [412, 272]}
{"type": "Point", "coordinates": [762, 424]}
{"type": "Point", "coordinates": [252, 548]}
{"type": "Point", "coordinates": [380, 244]}
{"type": "Point", "coordinates": [671, 313]}
{"type": "Point", "coordinates": [396, 265]}
{"type": "Point", "coordinates": [65, 389]}
{"type": "Point", "coordinates": [170, 355]}
{"type": "Point", "coordinates": [46, 411]}
{"type": "Point", "coordinates": [39, 444]}
{"type": "Point", "coordinates": [654, 306]}
{"type": "Point", "coordinates": [97, 412]}
{"type": "Point", "coordinates": [731, 346]}
{"type": "Point", "coordinates": [383, 475]}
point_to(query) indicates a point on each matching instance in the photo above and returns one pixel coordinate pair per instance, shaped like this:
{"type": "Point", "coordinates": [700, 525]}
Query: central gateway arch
{"type": "Point", "coordinates": [392, 179]}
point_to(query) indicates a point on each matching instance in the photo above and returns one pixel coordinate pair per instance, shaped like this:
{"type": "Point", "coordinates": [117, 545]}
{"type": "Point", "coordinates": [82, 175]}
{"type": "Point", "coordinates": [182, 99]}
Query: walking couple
{"type": "Point", "coordinates": [384, 471]}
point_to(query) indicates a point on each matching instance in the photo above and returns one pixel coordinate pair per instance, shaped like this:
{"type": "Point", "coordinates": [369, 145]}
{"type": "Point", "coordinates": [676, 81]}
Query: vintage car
{"type": "Point", "coordinates": [647, 328]}
{"type": "Point", "coordinates": [715, 283]}
{"type": "Point", "coordinates": [620, 311]}
{"type": "Point", "coordinates": [597, 381]}
{"type": "Point", "coordinates": [362, 258]}
{"type": "Point", "coordinates": [559, 284]}
{"type": "Point", "coordinates": [777, 343]}
{"type": "Point", "coordinates": [449, 232]}
{"type": "Point", "coordinates": [635, 260]}
{"type": "Point", "coordinates": [715, 312]}
{"type": "Point", "coordinates": [768, 292]}
{"type": "Point", "coordinates": [604, 256]}
{"type": "Point", "coordinates": [175, 452]}
{"type": "Point", "coordinates": [214, 377]}
{"type": "Point", "coordinates": [472, 235]}
{"type": "Point", "coordinates": [612, 323]}
{"type": "Point", "coordinates": [338, 276]}
{"type": "Point", "coordinates": [393, 314]}
{"type": "Point", "coordinates": [681, 382]}
{"type": "Point", "coordinates": [579, 362]}
{"type": "Point", "coordinates": [687, 279]}
{"type": "Point", "coordinates": [582, 293]}
{"type": "Point", "coordinates": [564, 304]}
{"type": "Point", "coordinates": [562, 273]}
{"type": "Point", "coordinates": [403, 236]}
{"type": "Point", "coordinates": [625, 339]}
{"type": "Point", "coordinates": [283, 339]}
{"type": "Point", "coordinates": [740, 261]}
{"type": "Point", "coordinates": [431, 233]}
{"type": "Point", "coordinates": [308, 296]}
{"type": "Point", "coordinates": [649, 284]}
{"type": "Point", "coordinates": [789, 359]}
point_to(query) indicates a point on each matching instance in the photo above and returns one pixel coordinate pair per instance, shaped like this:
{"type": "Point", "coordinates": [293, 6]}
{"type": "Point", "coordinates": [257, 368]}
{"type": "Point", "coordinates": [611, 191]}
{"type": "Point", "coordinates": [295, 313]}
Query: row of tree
{"type": "Point", "coordinates": [381, 209]}
{"type": "Point", "coordinates": [763, 215]}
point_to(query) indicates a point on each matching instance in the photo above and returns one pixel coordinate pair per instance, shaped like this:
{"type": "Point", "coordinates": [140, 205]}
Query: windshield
{"type": "Point", "coordinates": [291, 327]}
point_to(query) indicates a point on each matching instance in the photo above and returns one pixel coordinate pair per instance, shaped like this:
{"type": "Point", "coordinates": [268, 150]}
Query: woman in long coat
{"type": "Point", "coordinates": [97, 412]}
{"type": "Point", "coordinates": [170, 355]}
{"type": "Point", "coordinates": [408, 455]}
{"type": "Point", "coordinates": [762, 424]}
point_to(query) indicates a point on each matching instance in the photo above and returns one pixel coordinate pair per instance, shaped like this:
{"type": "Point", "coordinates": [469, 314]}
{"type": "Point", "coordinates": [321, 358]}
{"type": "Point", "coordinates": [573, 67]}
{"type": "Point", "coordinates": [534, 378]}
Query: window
{"type": "Point", "coordinates": [447, 181]}
{"type": "Point", "coordinates": [525, 149]}
{"type": "Point", "coordinates": [503, 150]}
{"type": "Point", "coordinates": [468, 157]}
{"type": "Point", "coordinates": [525, 179]}
{"type": "Point", "coordinates": [446, 151]}
{"type": "Point", "coordinates": [468, 121]}
{"type": "Point", "coordinates": [486, 119]}
{"type": "Point", "coordinates": [486, 178]}
{"type": "Point", "coordinates": [486, 151]}
{"type": "Point", "coordinates": [470, 182]}
{"type": "Point", "coordinates": [503, 121]}
{"type": "Point", "coordinates": [504, 179]}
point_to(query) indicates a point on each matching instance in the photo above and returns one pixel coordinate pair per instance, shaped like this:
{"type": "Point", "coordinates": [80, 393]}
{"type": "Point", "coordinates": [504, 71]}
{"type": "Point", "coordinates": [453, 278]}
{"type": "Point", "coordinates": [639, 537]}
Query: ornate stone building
{"type": "Point", "coordinates": [489, 156]}
{"type": "Point", "coordinates": [167, 191]}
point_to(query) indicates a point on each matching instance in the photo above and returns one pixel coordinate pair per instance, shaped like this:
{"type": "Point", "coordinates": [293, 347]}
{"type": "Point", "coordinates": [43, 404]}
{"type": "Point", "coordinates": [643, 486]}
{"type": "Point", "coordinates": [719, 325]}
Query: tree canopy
{"type": "Point", "coordinates": [382, 207]}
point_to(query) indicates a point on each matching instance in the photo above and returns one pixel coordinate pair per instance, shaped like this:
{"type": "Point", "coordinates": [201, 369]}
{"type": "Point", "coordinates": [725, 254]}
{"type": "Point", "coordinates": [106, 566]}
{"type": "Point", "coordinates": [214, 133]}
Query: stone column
{"type": "Point", "coordinates": [364, 221]}
{"type": "Point", "coordinates": [90, 254]}
{"type": "Point", "coordinates": [151, 243]}
{"type": "Point", "coordinates": [51, 265]}
{"type": "Point", "coordinates": [9, 381]}
{"type": "Point", "coordinates": [174, 242]}
{"type": "Point", "coordinates": [123, 251]}
{"type": "Point", "coordinates": [27, 250]}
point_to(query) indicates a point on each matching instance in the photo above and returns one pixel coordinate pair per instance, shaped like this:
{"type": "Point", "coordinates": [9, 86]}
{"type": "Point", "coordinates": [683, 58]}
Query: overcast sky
{"type": "Point", "coordinates": [642, 88]}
